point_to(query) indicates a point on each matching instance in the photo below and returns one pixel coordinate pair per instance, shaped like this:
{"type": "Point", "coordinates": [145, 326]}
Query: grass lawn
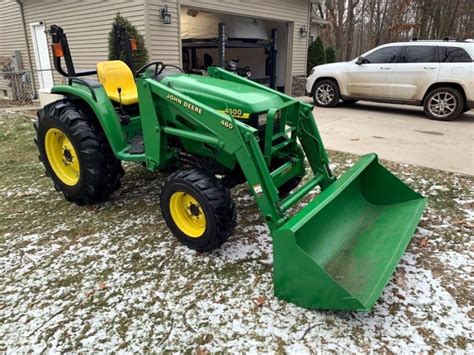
{"type": "Point", "coordinates": [111, 276]}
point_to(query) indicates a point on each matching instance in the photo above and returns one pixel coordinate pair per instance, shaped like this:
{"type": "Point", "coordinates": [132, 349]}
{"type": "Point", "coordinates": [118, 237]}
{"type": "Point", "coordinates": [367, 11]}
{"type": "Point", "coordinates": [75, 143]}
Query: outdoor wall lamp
{"type": "Point", "coordinates": [165, 15]}
{"type": "Point", "coordinates": [303, 31]}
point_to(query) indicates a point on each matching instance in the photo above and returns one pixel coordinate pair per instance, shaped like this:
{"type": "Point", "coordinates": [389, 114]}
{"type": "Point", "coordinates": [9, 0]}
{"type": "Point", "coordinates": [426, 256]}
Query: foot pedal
{"type": "Point", "coordinates": [137, 146]}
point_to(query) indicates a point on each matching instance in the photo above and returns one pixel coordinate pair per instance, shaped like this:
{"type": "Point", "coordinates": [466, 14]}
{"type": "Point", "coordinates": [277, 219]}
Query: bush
{"type": "Point", "coordinates": [140, 56]}
{"type": "Point", "coordinates": [330, 55]}
{"type": "Point", "coordinates": [316, 55]}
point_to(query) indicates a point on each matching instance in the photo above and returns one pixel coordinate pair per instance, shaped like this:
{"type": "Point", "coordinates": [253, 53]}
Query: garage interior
{"type": "Point", "coordinates": [251, 47]}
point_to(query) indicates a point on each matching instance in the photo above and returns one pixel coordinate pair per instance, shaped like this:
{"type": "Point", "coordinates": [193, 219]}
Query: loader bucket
{"type": "Point", "coordinates": [341, 249]}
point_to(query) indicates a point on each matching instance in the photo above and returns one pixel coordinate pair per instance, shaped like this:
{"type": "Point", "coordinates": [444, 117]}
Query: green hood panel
{"type": "Point", "coordinates": [222, 94]}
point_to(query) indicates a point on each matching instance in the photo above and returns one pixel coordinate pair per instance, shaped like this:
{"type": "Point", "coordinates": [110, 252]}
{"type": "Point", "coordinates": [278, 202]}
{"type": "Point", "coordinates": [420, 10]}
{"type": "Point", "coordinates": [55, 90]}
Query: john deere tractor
{"type": "Point", "coordinates": [216, 131]}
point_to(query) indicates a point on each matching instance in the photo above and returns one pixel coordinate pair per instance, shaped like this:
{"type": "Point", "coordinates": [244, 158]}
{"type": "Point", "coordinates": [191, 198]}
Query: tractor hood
{"type": "Point", "coordinates": [222, 94]}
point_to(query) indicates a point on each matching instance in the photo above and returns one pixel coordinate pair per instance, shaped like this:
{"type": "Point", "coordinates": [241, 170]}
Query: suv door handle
{"type": "Point", "coordinates": [385, 68]}
{"type": "Point", "coordinates": [430, 67]}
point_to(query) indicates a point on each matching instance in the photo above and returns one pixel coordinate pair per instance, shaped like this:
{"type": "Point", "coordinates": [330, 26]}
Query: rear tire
{"type": "Point", "coordinates": [198, 209]}
{"type": "Point", "coordinates": [75, 153]}
{"type": "Point", "coordinates": [326, 93]}
{"type": "Point", "coordinates": [443, 104]}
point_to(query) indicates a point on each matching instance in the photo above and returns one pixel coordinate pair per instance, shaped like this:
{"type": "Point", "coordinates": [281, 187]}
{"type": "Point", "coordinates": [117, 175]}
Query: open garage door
{"type": "Point", "coordinates": [251, 47]}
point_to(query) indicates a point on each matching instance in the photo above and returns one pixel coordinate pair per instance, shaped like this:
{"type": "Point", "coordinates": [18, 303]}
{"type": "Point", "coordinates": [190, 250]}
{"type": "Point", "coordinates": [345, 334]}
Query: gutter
{"type": "Point", "coordinates": [28, 54]}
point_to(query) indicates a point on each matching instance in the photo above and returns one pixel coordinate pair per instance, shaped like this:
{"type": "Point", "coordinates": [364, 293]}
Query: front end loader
{"type": "Point", "coordinates": [336, 252]}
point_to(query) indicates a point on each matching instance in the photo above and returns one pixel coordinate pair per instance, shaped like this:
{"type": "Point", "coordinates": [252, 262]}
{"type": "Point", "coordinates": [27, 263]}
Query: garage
{"type": "Point", "coordinates": [251, 47]}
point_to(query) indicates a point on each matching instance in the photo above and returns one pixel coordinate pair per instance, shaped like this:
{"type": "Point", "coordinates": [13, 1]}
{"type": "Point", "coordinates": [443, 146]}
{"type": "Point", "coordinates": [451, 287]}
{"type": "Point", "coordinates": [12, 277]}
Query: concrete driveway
{"type": "Point", "coordinates": [399, 133]}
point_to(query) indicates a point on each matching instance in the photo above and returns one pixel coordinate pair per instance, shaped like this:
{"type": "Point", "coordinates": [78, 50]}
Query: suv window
{"type": "Point", "coordinates": [454, 55]}
{"type": "Point", "coordinates": [383, 55]}
{"type": "Point", "coordinates": [420, 54]}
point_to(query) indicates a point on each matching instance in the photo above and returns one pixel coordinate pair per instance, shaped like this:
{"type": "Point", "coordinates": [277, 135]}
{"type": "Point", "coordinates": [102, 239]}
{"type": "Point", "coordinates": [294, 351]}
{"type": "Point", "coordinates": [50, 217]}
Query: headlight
{"type": "Point", "coordinates": [262, 118]}
{"type": "Point", "coordinates": [312, 71]}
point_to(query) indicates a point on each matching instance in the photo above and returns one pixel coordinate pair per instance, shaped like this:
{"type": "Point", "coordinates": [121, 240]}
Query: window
{"type": "Point", "coordinates": [383, 55]}
{"type": "Point", "coordinates": [454, 55]}
{"type": "Point", "coordinates": [420, 54]}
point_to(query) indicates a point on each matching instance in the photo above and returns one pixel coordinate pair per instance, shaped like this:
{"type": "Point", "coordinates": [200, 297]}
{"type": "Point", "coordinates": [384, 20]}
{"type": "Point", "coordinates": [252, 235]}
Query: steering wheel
{"type": "Point", "coordinates": [159, 66]}
{"type": "Point", "coordinates": [171, 66]}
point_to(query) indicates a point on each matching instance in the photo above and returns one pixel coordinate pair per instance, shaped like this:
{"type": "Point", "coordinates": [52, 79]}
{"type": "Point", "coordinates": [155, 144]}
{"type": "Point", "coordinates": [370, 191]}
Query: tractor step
{"type": "Point", "coordinates": [136, 145]}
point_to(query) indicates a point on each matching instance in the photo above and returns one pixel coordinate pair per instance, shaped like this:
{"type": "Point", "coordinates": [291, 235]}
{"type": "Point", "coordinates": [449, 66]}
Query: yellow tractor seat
{"type": "Point", "coordinates": [115, 74]}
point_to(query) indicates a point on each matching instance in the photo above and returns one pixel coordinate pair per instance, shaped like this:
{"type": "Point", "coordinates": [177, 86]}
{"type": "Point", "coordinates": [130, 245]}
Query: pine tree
{"type": "Point", "coordinates": [330, 55]}
{"type": "Point", "coordinates": [316, 55]}
{"type": "Point", "coordinates": [140, 56]}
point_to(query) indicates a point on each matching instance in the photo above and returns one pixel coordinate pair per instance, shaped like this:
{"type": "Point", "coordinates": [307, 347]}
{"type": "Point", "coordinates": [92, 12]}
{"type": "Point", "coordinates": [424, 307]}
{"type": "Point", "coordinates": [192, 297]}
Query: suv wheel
{"type": "Point", "coordinates": [443, 104]}
{"type": "Point", "coordinates": [326, 93]}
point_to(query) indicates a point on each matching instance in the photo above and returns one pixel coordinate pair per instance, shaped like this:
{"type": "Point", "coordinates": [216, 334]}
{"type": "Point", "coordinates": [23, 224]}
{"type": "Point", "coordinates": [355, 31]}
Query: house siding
{"type": "Point", "coordinates": [86, 23]}
{"type": "Point", "coordinates": [165, 39]}
{"type": "Point", "coordinates": [11, 37]}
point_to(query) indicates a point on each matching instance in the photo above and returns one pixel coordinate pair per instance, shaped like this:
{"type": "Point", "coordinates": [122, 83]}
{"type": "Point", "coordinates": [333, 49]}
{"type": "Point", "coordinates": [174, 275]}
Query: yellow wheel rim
{"type": "Point", "coordinates": [62, 156]}
{"type": "Point", "coordinates": [187, 214]}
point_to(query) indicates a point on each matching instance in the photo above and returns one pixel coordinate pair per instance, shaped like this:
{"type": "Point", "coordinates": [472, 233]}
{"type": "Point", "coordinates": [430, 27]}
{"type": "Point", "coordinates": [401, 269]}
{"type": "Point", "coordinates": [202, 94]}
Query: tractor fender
{"type": "Point", "coordinates": [94, 96]}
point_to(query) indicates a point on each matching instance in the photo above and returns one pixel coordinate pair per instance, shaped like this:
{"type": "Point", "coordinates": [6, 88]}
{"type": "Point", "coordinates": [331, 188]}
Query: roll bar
{"type": "Point", "coordinates": [122, 38]}
{"type": "Point", "coordinates": [60, 49]}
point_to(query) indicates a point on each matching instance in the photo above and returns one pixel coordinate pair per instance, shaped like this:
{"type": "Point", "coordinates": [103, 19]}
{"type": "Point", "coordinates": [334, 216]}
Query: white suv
{"type": "Point", "coordinates": [438, 75]}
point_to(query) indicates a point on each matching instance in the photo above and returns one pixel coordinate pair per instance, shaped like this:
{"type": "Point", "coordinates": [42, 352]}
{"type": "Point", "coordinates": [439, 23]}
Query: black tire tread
{"type": "Point", "coordinates": [219, 198]}
{"type": "Point", "coordinates": [102, 170]}
{"type": "Point", "coordinates": [337, 94]}
{"type": "Point", "coordinates": [457, 111]}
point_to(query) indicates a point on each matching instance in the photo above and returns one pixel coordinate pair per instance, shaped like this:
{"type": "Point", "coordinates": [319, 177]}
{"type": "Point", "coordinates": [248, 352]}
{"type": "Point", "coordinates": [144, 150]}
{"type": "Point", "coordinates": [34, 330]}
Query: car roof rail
{"type": "Point", "coordinates": [446, 39]}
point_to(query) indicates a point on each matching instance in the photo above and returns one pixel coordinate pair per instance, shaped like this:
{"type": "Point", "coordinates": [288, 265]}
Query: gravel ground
{"type": "Point", "coordinates": [111, 277]}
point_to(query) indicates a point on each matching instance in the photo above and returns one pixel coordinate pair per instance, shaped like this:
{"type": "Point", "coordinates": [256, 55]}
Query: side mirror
{"type": "Point", "coordinates": [361, 60]}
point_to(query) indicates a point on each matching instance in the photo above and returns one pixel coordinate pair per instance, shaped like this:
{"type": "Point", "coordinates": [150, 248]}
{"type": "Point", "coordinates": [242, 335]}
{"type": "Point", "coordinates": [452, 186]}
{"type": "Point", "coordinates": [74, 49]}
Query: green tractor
{"type": "Point", "coordinates": [216, 131]}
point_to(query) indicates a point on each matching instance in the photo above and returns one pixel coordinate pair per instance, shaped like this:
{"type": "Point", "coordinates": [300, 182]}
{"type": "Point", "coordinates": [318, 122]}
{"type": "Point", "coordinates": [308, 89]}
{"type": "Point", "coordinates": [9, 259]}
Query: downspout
{"type": "Point", "coordinates": [28, 54]}
{"type": "Point", "coordinates": [146, 9]}
{"type": "Point", "coordinates": [180, 49]}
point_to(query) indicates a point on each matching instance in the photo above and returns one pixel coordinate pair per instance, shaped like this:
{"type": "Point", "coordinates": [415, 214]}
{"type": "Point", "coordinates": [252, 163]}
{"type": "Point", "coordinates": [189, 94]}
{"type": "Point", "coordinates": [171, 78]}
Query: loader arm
{"type": "Point", "coordinates": [223, 132]}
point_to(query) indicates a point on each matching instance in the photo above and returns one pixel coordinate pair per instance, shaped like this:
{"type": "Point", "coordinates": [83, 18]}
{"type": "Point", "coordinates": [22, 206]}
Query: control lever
{"type": "Point", "coordinates": [124, 118]}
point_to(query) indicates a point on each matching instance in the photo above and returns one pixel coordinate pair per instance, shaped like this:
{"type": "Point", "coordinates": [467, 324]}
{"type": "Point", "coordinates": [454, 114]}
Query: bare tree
{"type": "Point", "coordinates": [358, 25]}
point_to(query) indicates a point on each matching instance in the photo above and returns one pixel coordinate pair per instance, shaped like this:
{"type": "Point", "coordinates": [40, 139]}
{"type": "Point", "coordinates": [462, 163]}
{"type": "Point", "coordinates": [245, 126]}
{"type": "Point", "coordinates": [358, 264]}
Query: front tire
{"type": "Point", "coordinates": [75, 153]}
{"type": "Point", "coordinates": [443, 104]}
{"type": "Point", "coordinates": [198, 209]}
{"type": "Point", "coordinates": [326, 93]}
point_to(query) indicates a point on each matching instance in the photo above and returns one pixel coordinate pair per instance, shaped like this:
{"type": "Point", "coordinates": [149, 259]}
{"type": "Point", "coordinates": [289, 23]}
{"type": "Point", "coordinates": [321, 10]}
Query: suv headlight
{"type": "Point", "coordinates": [312, 71]}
